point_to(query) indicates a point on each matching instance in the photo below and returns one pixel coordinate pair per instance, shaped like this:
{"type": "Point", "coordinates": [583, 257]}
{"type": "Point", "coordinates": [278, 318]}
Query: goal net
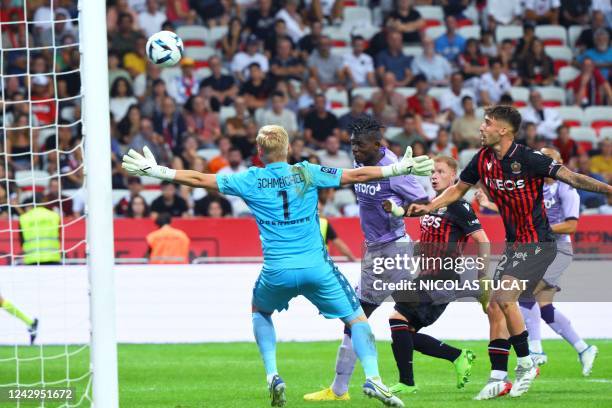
{"type": "Point", "coordinates": [44, 278]}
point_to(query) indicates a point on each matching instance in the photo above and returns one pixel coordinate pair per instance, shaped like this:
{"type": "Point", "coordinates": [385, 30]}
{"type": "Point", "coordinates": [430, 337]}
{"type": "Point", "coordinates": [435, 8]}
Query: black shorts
{"type": "Point", "coordinates": [421, 315]}
{"type": "Point", "coordinates": [527, 262]}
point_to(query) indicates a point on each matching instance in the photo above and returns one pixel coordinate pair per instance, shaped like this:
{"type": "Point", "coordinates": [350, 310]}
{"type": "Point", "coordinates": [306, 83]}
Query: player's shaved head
{"type": "Point", "coordinates": [552, 153]}
{"type": "Point", "coordinates": [273, 143]}
{"type": "Point", "coordinates": [366, 137]}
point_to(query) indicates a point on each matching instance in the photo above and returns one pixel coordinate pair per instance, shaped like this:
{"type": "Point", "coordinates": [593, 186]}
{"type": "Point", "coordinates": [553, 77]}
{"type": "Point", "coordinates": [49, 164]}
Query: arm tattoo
{"type": "Point", "coordinates": [582, 182]}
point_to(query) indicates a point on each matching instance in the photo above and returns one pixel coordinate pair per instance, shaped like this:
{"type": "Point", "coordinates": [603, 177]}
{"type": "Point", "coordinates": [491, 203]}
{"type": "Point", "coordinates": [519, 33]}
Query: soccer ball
{"type": "Point", "coordinates": [164, 48]}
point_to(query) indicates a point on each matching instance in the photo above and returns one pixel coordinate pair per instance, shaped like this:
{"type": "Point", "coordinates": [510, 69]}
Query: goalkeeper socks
{"type": "Point", "coordinates": [345, 364]}
{"type": "Point", "coordinates": [12, 309]}
{"type": "Point", "coordinates": [433, 347]}
{"type": "Point", "coordinates": [365, 348]}
{"type": "Point", "coordinates": [499, 350]}
{"type": "Point", "coordinates": [531, 315]}
{"type": "Point", "coordinates": [263, 328]}
{"type": "Point", "coordinates": [563, 327]}
{"type": "Point", "coordinates": [403, 348]}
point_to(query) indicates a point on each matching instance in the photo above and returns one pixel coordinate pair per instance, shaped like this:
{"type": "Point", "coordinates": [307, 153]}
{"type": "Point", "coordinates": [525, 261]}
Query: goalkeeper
{"type": "Point", "coordinates": [283, 199]}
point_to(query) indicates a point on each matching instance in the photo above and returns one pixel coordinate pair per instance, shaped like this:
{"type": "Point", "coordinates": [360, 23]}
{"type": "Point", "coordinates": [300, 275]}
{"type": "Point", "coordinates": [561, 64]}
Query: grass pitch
{"type": "Point", "coordinates": [231, 375]}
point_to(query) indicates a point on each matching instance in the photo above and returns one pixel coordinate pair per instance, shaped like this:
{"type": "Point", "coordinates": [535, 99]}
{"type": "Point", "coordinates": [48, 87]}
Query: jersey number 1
{"type": "Point", "coordinates": [285, 203]}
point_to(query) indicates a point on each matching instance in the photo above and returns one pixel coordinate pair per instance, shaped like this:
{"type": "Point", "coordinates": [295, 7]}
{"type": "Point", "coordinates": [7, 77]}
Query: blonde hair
{"type": "Point", "coordinates": [449, 161]}
{"type": "Point", "coordinates": [274, 142]}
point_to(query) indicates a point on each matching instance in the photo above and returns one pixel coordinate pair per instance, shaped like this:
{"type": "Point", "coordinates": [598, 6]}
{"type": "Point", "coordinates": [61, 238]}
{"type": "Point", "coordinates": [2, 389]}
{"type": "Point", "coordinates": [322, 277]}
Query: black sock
{"type": "Point", "coordinates": [520, 344]}
{"type": "Point", "coordinates": [499, 349]}
{"type": "Point", "coordinates": [433, 347]}
{"type": "Point", "coordinates": [402, 349]}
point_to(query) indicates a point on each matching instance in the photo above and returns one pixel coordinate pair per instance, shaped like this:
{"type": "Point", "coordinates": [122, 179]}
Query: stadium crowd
{"type": "Point", "coordinates": [423, 68]}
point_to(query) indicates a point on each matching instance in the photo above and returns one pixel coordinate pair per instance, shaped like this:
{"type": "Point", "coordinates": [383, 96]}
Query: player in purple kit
{"type": "Point", "coordinates": [385, 237]}
{"type": "Point", "coordinates": [562, 204]}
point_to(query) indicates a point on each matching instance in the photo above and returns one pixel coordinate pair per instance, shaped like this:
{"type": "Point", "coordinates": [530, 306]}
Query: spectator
{"type": "Point", "coordinates": [224, 144]}
{"type": "Point", "coordinates": [242, 61]}
{"type": "Point", "coordinates": [148, 137]}
{"type": "Point", "coordinates": [152, 103]}
{"type": "Point", "coordinates": [332, 156]}
{"type": "Point", "coordinates": [297, 153]}
{"type": "Point", "coordinates": [325, 66]}
{"type": "Point", "coordinates": [567, 147]}
{"type": "Point", "coordinates": [407, 21]}
{"type": "Point", "coordinates": [219, 88]}
{"type": "Point", "coordinates": [589, 199]}
{"type": "Point", "coordinates": [235, 163]}
{"type": "Point", "coordinates": [542, 11]}
{"type": "Point", "coordinates": [121, 98]}
{"type": "Point", "coordinates": [358, 66]}
{"type": "Point", "coordinates": [358, 107]}
{"type": "Point", "coordinates": [574, 12]}
{"type": "Point", "coordinates": [452, 99]}
{"type": "Point", "coordinates": [179, 12]}
{"type": "Point", "coordinates": [601, 54]}
{"type": "Point", "coordinates": [69, 164]}
{"type": "Point", "coordinates": [274, 37]}
{"type": "Point", "coordinates": [19, 145]}
{"type": "Point", "coordinates": [504, 12]}
{"type": "Point", "coordinates": [605, 7]}
{"type": "Point", "coordinates": [320, 123]}
{"type": "Point", "coordinates": [202, 121]}
{"type": "Point", "coordinates": [279, 115]}
{"type": "Point", "coordinates": [212, 12]}
{"type": "Point", "coordinates": [429, 123]}
{"type": "Point", "coordinates": [509, 63]}
{"type": "Point", "coordinates": [329, 10]}
{"type": "Point", "coordinates": [601, 163]}
{"type": "Point", "coordinates": [260, 20]}
{"type": "Point", "coordinates": [435, 67]}
{"type": "Point", "coordinates": [136, 61]}
{"type": "Point", "coordinates": [586, 40]}
{"type": "Point", "coordinates": [152, 18]}
{"type": "Point", "coordinates": [473, 63]}
{"type": "Point", "coordinates": [138, 208]}
{"type": "Point", "coordinates": [167, 245]}
{"type": "Point", "coordinates": [606, 209]}
{"type": "Point", "coordinates": [306, 100]}
{"type": "Point", "coordinates": [231, 42]}
{"type": "Point", "coordinates": [290, 15]}
{"type": "Point", "coordinates": [310, 41]}
{"type": "Point", "coordinates": [129, 126]}
{"type": "Point", "coordinates": [183, 86]}
{"type": "Point", "coordinates": [123, 205]}
{"type": "Point", "coordinates": [547, 120]}
{"type": "Point", "coordinates": [188, 158]}
{"type": "Point", "coordinates": [536, 68]}
{"type": "Point", "coordinates": [114, 71]}
{"type": "Point", "coordinates": [494, 84]}
{"type": "Point", "coordinates": [465, 130]}
{"type": "Point", "coordinates": [257, 89]}
{"type": "Point", "coordinates": [61, 29]}
{"type": "Point", "coordinates": [170, 124]}
{"type": "Point", "coordinates": [488, 47]}
{"type": "Point", "coordinates": [168, 202]}
{"type": "Point", "coordinates": [388, 105]}
{"type": "Point", "coordinates": [284, 66]}
{"type": "Point", "coordinates": [124, 40]}
{"type": "Point", "coordinates": [590, 87]}
{"type": "Point", "coordinates": [416, 102]}
{"type": "Point", "coordinates": [442, 146]}
{"type": "Point", "coordinates": [450, 44]}
{"type": "Point", "coordinates": [236, 126]}
{"type": "Point", "coordinates": [213, 205]}
{"type": "Point", "coordinates": [60, 203]}
{"type": "Point", "coordinates": [409, 134]}
{"type": "Point", "coordinates": [44, 106]}
{"type": "Point", "coordinates": [392, 59]}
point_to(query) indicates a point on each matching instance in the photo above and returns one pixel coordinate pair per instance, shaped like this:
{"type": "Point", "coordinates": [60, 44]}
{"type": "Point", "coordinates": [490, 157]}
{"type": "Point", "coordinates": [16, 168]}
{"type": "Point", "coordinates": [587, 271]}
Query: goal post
{"type": "Point", "coordinates": [100, 248]}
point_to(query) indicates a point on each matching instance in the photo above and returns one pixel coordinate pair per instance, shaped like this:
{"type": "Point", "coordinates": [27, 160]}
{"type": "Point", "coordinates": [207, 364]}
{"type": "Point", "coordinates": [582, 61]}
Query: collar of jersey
{"type": "Point", "coordinates": [277, 165]}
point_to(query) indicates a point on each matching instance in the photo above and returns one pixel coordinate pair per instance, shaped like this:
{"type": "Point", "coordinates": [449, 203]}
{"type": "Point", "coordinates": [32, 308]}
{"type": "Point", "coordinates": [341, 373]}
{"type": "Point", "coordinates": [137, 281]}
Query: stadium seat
{"type": "Point", "coordinates": [567, 74]}
{"type": "Point", "coordinates": [193, 35]}
{"type": "Point", "coordinates": [215, 34]}
{"type": "Point", "coordinates": [357, 16]}
{"type": "Point", "coordinates": [437, 92]}
{"type": "Point", "coordinates": [562, 56]}
{"type": "Point", "coordinates": [339, 112]}
{"type": "Point", "coordinates": [341, 50]}
{"type": "Point", "coordinates": [480, 112]}
{"type": "Point", "coordinates": [465, 156]}
{"type": "Point", "coordinates": [520, 94]}
{"type": "Point", "coordinates": [434, 32]}
{"type": "Point", "coordinates": [433, 15]}
{"type": "Point", "coordinates": [573, 33]}
{"type": "Point", "coordinates": [365, 91]}
{"type": "Point", "coordinates": [470, 31]}
{"type": "Point", "coordinates": [150, 195]}
{"type": "Point", "coordinates": [337, 97]}
{"type": "Point", "coordinates": [168, 73]}
{"type": "Point", "coordinates": [200, 55]}
{"type": "Point", "coordinates": [203, 72]}
{"type": "Point", "coordinates": [392, 131]}
{"type": "Point", "coordinates": [68, 113]}
{"type": "Point", "coordinates": [605, 132]}
{"type": "Point", "coordinates": [598, 117]}
{"type": "Point", "coordinates": [209, 153]}
{"type": "Point", "coordinates": [29, 180]}
{"type": "Point", "coordinates": [117, 194]}
{"type": "Point", "coordinates": [406, 91]}
{"type": "Point", "coordinates": [551, 34]}
{"type": "Point", "coordinates": [511, 32]}
{"type": "Point", "coordinates": [413, 51]}
{"type": "Point", "coordinates": [339, 36]}
{"type": "Point", "coordinates": [584, 136]}
{"type": "Point", "coordinates": [44, 133]}
{"type": "Point", "coordinates": [572, 116]}
{"type": "Point", "coordinates": [552, 96]}
{"type": "Point", "coordinates": [225, 113]}
{"type": "Point", "coordinates": [367, 32]}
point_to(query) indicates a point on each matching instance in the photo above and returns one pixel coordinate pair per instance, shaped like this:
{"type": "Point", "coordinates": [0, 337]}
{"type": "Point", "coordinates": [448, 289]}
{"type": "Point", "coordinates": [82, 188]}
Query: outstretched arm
{"type": "Point", "coordinates": [582, 182]}
{"type": "Point", "coordinates": [450, 195]}
{"type": "Point", "coordinates": [194, 178]}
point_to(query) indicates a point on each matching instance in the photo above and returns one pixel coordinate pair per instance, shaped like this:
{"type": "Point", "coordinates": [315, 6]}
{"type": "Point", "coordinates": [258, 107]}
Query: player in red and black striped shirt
{"type": "Point", "coordinates": [514, 176]}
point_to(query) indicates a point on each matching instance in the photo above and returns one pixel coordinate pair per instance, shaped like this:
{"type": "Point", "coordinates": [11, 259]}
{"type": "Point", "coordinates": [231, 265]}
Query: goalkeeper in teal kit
{"type": "Point", "coordinates": [283, 199]}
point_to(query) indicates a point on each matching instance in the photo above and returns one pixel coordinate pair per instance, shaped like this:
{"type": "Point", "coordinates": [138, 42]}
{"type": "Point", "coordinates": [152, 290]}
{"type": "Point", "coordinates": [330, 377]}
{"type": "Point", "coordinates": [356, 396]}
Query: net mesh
{"type": "Point", "coordinates": [41, 165]}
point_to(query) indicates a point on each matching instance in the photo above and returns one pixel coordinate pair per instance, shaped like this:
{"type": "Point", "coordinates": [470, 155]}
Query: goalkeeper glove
{"type": "Point", "coordinates": [393, 208]}
{"type": "Point", "coordinates": [138, 165]}
{"type": "Point", "coordinates": [418, 166]}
